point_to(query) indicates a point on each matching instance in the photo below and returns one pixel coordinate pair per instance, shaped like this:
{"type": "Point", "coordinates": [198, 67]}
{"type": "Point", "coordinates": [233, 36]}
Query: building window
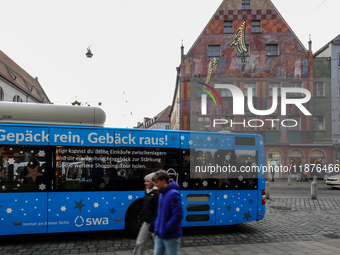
{"type": "Point", "coordinates": [272, 123]}
{"type": "Point", "coordinates": [228, 27]}
{"type": "Point", "coordinates": [41, 96]}
{"type": "Point", "coordinates": [250, 86]}
{"type": "Point", "coordinates": [250, 123]}
{"type": "Point", "coordinates": [213, 50]}
{"type": "Point", "coordinates": [256, 26]}
{"type": "Point", "coordinates": [28, 86]}
{"type": "Point", "coordinates": [11, 73]}
{"type": "Point", "coordinates": [203, 124]}
{"type": "Point", "coordinates": [226, 93]}
{"type": "Point", "coordinates": [2, 94]}
{"type": "Point", "coordinates": [245, 4]}
{"type": "Point", "coordinates": [17, 98]}
{"type": "Point", "coordinates": [294, 123]}
{"type": "Point", "coordinates": [228, 125]}
{"type": "Point", "coordinates": [167, 127]}
{"type": "Point", "coordinates": [319, 123]}
{"type": "Point", "coordinates": [295, 85]}
{"type": "Point", "coordinates": [318, 89]}
{"type": "Point", "coordinates": [274, 85]}
{"type": "Point", "coordinates": [272, 50]}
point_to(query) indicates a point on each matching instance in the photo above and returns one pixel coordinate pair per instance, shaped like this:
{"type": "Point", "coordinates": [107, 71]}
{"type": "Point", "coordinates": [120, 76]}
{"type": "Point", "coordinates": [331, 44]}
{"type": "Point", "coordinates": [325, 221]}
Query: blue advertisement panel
{"type": "Point", "coordinates": [89, 211]}
{"type": "Point", "coordinates": [23, 213]}
{"type": "Point", "coordinates": [147, 139]}
{"type": "Point", "coordinates": [24, 135]}
{"type": "Point", "coordinates": [81, 137]}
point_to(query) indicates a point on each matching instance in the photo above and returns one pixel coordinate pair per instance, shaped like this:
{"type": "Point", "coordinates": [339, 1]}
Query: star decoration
{"type": "Point", "coordinates": [9, 210]}
{"type": "Point", "coordinates": [240, 178]}
{"type": "Point", "coordinates": [112, 210]}
{"type": "Point", "coordinates": [173, 139]}
{"type": "Point", "coordinates": [238, 209]}
{"type": "Point", "coordinates": [185, 184]}
{"type": "Point", "coordinates": [33, 173]}
{"type": "Point", "coordinates": [251, 182]}
{"type": "Point", "coordinates": [227, 157]}
{"type": "Point", "coordinates": [41, 154]}
{"type": "Point", "coordinates": [209, 138]}
{"type": "Point", "coordinates": [130, 197]}
{"type": "Point", "coordinates": [42, 186]}
{"type": "Point", "coordinates": [191, 142]}
{"type": "Point", "coordinates": [211, 211]}
{"type": "Point", "coordinates": [205, 183]}
{"type": "Point", "coordinates": [63, 208]}
{"type": "Point", "coordinates": [11, 161]}
{"type": "Point", "coordinates": [221, 181]}
{"type": "Point", "coordinates": [216, 140]}
{"type": "Point", "coordinates": [187, 158]}
{"type": "Point", "coordinates": [96, 205]}
{"type": "Point", "coordinates": [251, 201]}
{"type": "Point", "coordinates": [182, 137]}
{"type": "Point", "coordinates": [79, 205]}
{"type": "Point", "coordinates": [229, 208]}
{"type": "Point", "coordinates": [200, 141]}
{"type": "Point", "coordinates": [225, 196]}
{"type": "Point", "coordinates": [247, 216]}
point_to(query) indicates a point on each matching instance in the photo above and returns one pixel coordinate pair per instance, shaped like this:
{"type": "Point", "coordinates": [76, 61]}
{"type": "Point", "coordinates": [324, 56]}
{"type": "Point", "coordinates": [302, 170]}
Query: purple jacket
{"type": "Point", "coordinates": [168, 223]}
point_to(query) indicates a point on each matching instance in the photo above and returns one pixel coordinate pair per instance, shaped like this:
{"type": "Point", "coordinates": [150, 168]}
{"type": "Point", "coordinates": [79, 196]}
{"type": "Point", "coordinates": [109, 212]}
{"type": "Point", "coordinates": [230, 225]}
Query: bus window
{"type": "Point", "coordinates": [23, 168]}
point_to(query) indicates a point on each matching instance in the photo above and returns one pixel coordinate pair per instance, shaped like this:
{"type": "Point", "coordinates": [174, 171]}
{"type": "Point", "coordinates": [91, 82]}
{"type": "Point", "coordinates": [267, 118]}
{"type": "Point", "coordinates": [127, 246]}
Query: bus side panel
{"type": "Point", "coordinates": [23, 213]}
{"type": "Point", "coordinates": [236, 206]}
{"type": "Point", "coordinates": [89, 211]}
{"type": "Point", "coordinates": [198, 208]}
{"type": "Point", "coordinates": [261, 207]}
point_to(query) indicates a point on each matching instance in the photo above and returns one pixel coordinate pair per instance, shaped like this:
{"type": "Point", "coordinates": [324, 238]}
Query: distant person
{"type": "Point", "coordinates": [150, 206]}
{"type": "Point", "coordinates": [272, 172]}
{"type": "Point", "coordinates": [168, 226]}
{"type": "Point", "coordinates": [304, 175]}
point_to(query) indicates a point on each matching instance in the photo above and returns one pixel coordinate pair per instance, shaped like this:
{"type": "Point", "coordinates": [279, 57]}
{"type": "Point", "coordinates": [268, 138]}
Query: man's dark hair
{"type": "Point", "coordinates": [161, 175]}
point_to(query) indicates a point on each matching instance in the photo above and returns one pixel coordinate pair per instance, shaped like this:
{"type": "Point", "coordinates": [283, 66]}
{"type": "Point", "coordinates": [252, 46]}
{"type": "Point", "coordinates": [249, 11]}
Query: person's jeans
{"type": "Point", "coordinates": [170, 246]}
{"type": "Point", "coordinates": [142, 239]}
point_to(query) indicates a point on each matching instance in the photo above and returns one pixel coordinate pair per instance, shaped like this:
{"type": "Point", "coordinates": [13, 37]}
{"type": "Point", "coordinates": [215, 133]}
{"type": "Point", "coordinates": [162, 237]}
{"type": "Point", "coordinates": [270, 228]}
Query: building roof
{"type": "Point", "coordinates": [14, 75]}
{"type": "Point", "coordinates": [163, 116]}
{"type": "Point", "coordinates": [335, 41]}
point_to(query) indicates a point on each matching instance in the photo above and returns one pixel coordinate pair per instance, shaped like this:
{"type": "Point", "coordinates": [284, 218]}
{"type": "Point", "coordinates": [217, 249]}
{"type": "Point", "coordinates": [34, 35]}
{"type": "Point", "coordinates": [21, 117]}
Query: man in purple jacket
{"type": "Point", "coordinates": [167, 226]}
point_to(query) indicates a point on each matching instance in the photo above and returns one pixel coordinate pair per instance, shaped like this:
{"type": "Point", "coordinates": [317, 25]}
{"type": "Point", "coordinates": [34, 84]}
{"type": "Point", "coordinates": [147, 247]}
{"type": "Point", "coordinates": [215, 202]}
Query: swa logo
{"type": "Point", "coordinates": [79, 221]}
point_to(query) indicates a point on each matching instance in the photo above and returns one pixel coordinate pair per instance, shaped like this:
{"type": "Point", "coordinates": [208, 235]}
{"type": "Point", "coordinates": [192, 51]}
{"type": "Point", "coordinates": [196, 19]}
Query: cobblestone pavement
{"type": "Point", "coordinates": [298, 225]}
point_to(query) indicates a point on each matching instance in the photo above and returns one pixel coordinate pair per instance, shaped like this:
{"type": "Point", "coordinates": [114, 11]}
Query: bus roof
{"type": "Point", "coordinates": [49, 114]}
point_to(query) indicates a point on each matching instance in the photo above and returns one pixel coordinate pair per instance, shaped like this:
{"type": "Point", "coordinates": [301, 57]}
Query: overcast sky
{"type": "Point", "coordinates": [136, 46]}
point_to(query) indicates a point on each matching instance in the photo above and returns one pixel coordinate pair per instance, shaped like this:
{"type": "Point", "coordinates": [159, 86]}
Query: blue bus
{"type": "Point", "coordinates": [72, 178]}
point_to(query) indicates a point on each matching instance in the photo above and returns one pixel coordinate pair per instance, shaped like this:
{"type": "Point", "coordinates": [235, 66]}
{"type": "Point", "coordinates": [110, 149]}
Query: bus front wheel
{"type": "Point", "coordinates": [135, 219]}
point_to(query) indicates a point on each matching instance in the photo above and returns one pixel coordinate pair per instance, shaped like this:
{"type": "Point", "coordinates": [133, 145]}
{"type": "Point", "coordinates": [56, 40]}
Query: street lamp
{"type": "Point", "coordinates": [89, 53]}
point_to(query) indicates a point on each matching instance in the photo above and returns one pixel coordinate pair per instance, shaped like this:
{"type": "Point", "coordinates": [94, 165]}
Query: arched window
{"type": "Point", "coordinates": [2, 94]}
{"type": "Point", "coordinates": [17, 98]}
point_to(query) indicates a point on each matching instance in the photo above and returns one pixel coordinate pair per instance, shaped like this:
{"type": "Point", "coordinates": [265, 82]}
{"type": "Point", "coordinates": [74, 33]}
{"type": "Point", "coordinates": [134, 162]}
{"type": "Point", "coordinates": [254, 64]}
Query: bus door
{"type": "Point", "coordinates": [198, 208]}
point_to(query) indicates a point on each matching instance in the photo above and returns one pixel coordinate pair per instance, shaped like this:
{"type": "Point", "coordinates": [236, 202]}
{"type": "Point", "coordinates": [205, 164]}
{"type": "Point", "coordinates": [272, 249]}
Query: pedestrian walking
{"type": "Point", "coordinates": [304, 175]}
{"type": "Point", "coordinates": [168, 226]}
{"type": "Point", "coordinates": [150, 206]}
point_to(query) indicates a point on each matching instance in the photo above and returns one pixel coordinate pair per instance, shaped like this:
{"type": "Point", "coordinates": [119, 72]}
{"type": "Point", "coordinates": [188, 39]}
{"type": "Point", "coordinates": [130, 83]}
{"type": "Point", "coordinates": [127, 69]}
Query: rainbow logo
{"type": "Point", "coordinates": [209, 93]}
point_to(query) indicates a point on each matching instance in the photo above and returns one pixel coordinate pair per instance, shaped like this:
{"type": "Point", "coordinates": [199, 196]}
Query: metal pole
{"type": "Point", "coordinates": [267, 190]}
{"type": "Point", "coordinates": [314, 187]}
